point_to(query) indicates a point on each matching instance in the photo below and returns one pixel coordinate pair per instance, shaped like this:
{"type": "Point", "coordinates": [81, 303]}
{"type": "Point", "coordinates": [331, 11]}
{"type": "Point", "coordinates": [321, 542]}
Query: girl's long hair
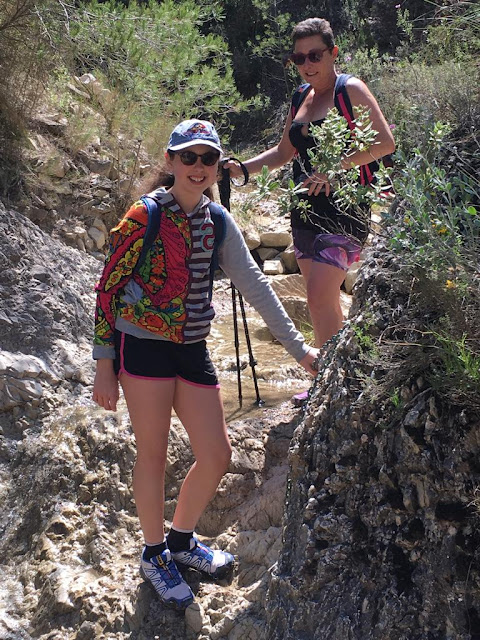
{"type": "Point", "coordinates": [160, 176]}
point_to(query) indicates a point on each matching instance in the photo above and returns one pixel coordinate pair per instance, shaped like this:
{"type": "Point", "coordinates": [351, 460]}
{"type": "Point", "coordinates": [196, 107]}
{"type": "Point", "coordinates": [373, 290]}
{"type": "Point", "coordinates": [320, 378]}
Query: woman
{"type": "Point", "coordinates": [150, 328]}
{"type": "Point", "coordinates": [328, 241]}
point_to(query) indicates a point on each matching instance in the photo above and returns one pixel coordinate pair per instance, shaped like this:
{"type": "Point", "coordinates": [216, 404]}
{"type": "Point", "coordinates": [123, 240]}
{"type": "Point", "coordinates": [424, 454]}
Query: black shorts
{"type": "Point", "coordinates": [164, 360]}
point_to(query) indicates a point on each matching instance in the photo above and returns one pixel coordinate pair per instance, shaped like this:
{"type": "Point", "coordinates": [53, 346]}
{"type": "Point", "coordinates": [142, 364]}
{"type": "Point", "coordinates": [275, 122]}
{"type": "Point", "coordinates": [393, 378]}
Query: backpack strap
{"type": "Point", "coordinates": [217, 214]}
{"type": "Point", "coordinates": [342, 99]}
{"type": "Point", "coordinates": [151, 232]}
{"type": "Point", "coordinates": [344, 107]}
{"type": "Point", "coordinates": [298, 97]}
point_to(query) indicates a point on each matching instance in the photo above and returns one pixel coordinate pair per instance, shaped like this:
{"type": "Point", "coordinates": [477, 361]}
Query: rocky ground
{"type": "Point", "coordinates": [356, 520]}
{"type": "Point", "coordinates": [70, 542]}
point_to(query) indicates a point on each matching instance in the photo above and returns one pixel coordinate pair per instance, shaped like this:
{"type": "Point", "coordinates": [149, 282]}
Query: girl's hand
{"type": "Point", "coordinates": [316, 183]}
{"type": "Point", "coordinates": [105, 386]}
{"type": "Point", "coordinates": [309, 361]}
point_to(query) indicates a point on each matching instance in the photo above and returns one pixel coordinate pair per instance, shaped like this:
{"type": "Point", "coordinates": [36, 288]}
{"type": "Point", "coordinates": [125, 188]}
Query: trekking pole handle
{"type": "Point", "coordinates": [235, 180]}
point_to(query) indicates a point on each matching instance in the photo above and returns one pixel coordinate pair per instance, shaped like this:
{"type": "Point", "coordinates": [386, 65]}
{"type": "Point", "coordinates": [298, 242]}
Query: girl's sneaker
{"type": "Point", "coordinates": [167, 581]}
{"type": "Point", "coordinates": [215, 563]}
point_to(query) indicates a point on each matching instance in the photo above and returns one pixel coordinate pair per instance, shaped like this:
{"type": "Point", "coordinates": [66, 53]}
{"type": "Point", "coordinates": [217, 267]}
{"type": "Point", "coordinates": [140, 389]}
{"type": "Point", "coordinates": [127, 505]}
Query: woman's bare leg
{"type": "Point", "coordinates": [149, 404]}
{"type": "Point", "coordinates": [323, 282]}
{"type": "Point", "coordinates": [200, 410]}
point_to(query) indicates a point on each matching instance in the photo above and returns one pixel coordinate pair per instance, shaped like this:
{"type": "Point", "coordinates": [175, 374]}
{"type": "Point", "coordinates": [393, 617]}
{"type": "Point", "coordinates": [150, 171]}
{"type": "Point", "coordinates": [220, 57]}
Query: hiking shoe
{"type": "Point", "coordinates": [215, 563]}
{"type": "Point", "coordinates": [299, 399]}
{"type": "Point", "coordinates": [167, 581]}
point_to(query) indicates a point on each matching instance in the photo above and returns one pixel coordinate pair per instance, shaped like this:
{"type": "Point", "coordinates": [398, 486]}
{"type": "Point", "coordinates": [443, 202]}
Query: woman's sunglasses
{"type": "Point", "coordinates": [209, 158]}
{"type": "Point", "coordinates": [314, 56]}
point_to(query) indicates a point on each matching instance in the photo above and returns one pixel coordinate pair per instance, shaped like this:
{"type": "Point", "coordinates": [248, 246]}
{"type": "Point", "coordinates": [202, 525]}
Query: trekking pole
{"type": "Point", "coordinates": [237, 344]}
{"type": "Point", "coordinates": [224, 190]}
{"type": "Point", "coordinates": [251, 359]}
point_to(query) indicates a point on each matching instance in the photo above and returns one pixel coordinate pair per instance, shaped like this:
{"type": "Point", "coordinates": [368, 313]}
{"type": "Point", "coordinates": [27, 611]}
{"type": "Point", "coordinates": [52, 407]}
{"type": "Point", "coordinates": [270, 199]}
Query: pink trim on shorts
{"type": "Point", "coordinates": [132, 375]}
{"type": "Point", "coordinates": [198, 384]}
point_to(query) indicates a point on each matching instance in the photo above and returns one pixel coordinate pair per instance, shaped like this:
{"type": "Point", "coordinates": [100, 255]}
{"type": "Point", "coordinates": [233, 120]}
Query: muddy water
{"type": "Point", "coordinates": [278, 375]}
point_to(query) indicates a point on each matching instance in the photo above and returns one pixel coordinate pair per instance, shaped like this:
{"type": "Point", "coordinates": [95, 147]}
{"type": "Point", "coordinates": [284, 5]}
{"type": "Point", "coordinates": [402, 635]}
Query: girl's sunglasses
{"type": "Point", "coordinates": [209, 158]}
{"type": "Point", "coordinates": [314, 56]}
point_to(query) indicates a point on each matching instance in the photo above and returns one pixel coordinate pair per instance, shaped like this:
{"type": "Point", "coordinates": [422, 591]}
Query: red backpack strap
{"type": "Point", "coordinates": [344, 107]}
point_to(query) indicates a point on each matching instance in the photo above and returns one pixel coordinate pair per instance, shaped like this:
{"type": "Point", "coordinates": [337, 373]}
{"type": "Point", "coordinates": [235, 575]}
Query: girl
{"type": "Point", "coordinates": [150, 330]}
{"type": "Point", "coordinates": [329, 241]}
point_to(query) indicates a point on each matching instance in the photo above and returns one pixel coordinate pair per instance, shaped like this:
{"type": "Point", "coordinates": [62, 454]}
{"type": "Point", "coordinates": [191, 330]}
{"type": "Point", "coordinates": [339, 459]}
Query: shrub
{"type": "Point", "coordinates": [414, 95]}
{"type": "Point", "coordinates": [156, 57]}
{"type": "Point", "coordinates": [435, 230]}
{"type": "Point", "coordinates": [26, 58]}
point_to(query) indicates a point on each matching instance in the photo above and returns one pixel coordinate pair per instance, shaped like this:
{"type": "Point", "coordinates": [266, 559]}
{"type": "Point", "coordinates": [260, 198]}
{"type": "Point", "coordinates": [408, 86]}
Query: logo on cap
{"type": "Point", "coordinates": [190, 132]}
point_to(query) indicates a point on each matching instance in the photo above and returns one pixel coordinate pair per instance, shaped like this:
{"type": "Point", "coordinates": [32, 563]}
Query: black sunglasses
{"type": "Point", "coordinates": [314, 56]}
{"type": "Point", "coordinates": [209, 158]}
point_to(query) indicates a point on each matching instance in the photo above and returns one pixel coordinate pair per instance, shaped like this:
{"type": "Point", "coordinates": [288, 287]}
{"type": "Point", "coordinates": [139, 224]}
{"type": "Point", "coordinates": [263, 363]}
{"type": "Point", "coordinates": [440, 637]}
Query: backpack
{"type": "Point", "coordinates": [345, 109]}
{"type": "Point", "coordinates": [153, 226]}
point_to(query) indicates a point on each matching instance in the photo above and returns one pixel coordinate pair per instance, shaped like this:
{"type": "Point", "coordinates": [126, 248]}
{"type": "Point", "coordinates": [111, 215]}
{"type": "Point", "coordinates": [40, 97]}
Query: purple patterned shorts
{"type": "Point", "coordinates": [336, 250]}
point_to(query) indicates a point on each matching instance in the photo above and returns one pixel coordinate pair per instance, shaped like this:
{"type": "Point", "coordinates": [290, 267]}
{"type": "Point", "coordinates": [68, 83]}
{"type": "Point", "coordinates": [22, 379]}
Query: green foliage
{"type": "Point", "coordinates": [364, 340]}
{"type": "Point", "coordinates": [436, 232]}
{"type": "Point", "coordinates": [156, 56]}
{"type": "Point", "coordinates": [26, 58]}
{"type": "Point", "coordinates": [455, 33]}
{"type": "Point", "coordinates": [441, 226]}
{"type": "Point", "coordinates": [395, 398]}
{"type": "Point", "coordinates": [364, 63]}
{"type": "Point", "coordinates": [334, 140]}
{"type": "Point", "coordinates": [414, 95]}
{"type": "Point", "coordinates": [459, 360]}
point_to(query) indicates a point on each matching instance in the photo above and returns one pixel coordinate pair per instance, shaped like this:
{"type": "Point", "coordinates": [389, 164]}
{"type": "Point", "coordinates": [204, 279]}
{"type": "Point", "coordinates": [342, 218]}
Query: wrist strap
{"type": "Point", "coordinates": [246, 175]}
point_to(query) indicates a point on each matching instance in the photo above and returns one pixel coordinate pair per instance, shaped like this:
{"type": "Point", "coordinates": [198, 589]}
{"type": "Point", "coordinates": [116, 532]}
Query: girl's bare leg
{"type": "Point", "coordinates": [149, 404]}
{"type": "Point", "coordinates": [323, 282]}
{"type": "Point", "coordinates": [200, 410]}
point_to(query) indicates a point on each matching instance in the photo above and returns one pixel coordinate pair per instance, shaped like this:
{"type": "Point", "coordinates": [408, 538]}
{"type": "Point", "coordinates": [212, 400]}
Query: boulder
{"type": "Point", "coordinates": [99, 237]}
{"type": "Point", "coordinates": [277, 239]}
{"type": "Point", "coordinates": [267, 253]}
{"type": "Point", "coordinates": [351, 276]}
{"type": "Point", "coordinates": [273, 267]}
{"type": "Point", "coordinates": [289, 260]}
{"type": "Point", "coordinates": [252, 238]}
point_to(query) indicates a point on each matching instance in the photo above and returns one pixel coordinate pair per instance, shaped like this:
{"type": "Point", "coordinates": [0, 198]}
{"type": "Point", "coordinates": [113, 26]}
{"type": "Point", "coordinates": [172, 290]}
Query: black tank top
{"type": "Point", "coordinates": [323, 216]}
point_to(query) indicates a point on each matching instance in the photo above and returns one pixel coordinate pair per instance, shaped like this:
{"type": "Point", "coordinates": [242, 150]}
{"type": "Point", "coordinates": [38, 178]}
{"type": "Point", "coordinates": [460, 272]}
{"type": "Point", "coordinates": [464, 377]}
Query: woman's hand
{"type": "Point", "coordinates": [234, 168]}
{"type": "Point", "coordinates": [309, 361]}
{"type": "Point", "coordinates": [317, 182]}
{"type": "Point", "coordinates": [105, 386]}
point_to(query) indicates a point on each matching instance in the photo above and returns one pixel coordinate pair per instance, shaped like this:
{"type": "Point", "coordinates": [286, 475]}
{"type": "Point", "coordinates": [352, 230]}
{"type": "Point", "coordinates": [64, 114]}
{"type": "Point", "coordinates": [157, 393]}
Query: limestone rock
{"type": "Point", "coordinates": [277, 239]}
{"type": "Point", "coordinates": [54, 124]}
{"type": "Point", "coordinates": [267, 253]}
{"type": "Point", "coordinates": [377, 522]}
{"type": "Point", "coordinates": [289, 260]}
{"type": "Point", "coordinates": [252, 238]}
{"type": "Point", "coordinates": [54, 165]}
{"type": "Point", "coordinates": [99, 237]}
{"type": "Point", "coordinates": [273, 267]}
{"type": "Point", "coordinates": [351, 276]}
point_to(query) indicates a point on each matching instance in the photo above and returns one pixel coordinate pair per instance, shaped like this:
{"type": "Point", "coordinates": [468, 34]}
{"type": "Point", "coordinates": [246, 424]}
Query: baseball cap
{"type": "Point", "coordinates": [191, 132]}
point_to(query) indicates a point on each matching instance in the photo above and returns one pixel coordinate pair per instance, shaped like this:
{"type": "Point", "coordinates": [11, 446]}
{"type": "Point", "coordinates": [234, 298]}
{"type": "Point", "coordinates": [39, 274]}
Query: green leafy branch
{"type": "Point", "coordinates": [334, 140]}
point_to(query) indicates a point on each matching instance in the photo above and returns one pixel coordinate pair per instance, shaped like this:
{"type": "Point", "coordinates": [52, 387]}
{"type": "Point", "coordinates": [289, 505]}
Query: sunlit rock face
{"type": "Point", "coordinates": [377, 538]}
{"type": "Point", "coordinates": [380, 536]}
{"type": "Point", "coordinates": [70, 540]}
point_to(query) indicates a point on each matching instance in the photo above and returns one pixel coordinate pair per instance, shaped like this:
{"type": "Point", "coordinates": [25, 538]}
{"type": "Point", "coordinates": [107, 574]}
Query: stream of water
{"type": "Point", "coordinates": [278, 375]}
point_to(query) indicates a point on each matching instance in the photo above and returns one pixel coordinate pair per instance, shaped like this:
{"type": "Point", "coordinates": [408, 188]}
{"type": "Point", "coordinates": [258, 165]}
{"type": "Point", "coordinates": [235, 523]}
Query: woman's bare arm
{"type": "Point", "coordinates": [273, 158]}
{"type": "Point", "coordinates": [384, 144]}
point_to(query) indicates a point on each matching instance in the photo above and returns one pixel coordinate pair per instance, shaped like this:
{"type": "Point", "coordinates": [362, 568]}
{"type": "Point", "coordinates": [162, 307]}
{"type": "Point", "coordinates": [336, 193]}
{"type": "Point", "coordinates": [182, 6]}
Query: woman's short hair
{"type": "Point", "coordinates": [314, 27]}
